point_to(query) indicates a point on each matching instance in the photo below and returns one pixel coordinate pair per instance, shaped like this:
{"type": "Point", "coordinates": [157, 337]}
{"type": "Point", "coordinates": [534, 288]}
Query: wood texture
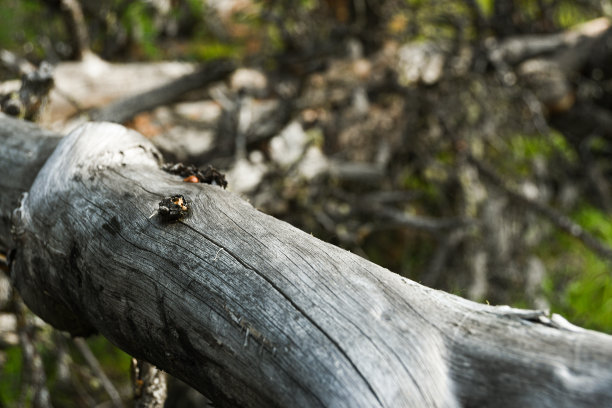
{"type": "Point", "coordinates": [253, 312]}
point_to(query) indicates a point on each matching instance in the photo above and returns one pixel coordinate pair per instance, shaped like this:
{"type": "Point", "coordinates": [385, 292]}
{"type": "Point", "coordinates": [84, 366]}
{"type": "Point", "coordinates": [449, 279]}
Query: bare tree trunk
{"type": "Point", "coordinates": [253, 312]}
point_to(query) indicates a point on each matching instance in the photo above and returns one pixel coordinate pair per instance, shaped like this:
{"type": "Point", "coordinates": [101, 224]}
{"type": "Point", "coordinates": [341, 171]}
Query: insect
{"type": "Point", "coordinates": [173, 208]}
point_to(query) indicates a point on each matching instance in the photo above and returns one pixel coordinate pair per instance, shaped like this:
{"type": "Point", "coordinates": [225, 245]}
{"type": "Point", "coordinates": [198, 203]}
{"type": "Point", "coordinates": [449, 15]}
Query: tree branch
{"type": "Point", "coordinates": [93, 363]}
{"type": "Point", "coordinates": [253, 312]}
{"type": "Point", "coordinates": [558, 219]}
{"type": "Point", "coordinates": [127, 108]}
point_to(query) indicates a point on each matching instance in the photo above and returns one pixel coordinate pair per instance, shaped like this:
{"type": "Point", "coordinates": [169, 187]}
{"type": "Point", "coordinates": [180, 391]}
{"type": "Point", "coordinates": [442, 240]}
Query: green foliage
{"type": "Point", "coordinates": [11, 376]}
{"type": "Point", "coordinates": [309, 5]}
{"type": "Point", "coordinates": [528, 147]}
{"type": "Point", "coordinates": [590, 296]}
{"type": "Point", "coordinates": [570, 13]}
{"type": "Point", "coordinates": [213, 49]}
{"type": "Point", "coordinates": [421, 184]}
{"type": "Point", "coordinates": [597, 222]}
{"type": "Point", "coordinates": [116, 363]}
{"type": "Point", "coordinates": [580, 283]}
{"type": "Point", "coordinates": [486, 6]}
{"type": "Point", "coordinates": [520, 152]}
{"type": "Point", "coordinates": [20, 28]}
{"type": "Point", "coordinates": [141, 27]}
{"type": "Point", "coordinates": [275, 38]}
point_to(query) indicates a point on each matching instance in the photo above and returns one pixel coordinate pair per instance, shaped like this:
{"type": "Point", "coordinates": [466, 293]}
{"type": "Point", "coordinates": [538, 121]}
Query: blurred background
{"type": "Point", "coordinates": [464, 144]}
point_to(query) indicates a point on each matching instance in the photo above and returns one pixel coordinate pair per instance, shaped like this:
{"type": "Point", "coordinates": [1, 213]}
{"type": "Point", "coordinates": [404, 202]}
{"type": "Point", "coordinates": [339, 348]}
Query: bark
{"type": "Point", "coordinates": [253, 312]}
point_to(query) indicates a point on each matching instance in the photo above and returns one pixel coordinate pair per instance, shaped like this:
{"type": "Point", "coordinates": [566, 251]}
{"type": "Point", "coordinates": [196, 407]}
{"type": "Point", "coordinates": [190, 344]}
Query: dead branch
{"type": "Point", "coordinates": [126, 108]}
{"type": "Point", "coordinates": [557, 218]}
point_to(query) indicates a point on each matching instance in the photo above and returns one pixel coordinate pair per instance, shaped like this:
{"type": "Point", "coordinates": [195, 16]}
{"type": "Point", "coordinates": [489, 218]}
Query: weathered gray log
{"type": "Point", "coordinates": [253, 312]}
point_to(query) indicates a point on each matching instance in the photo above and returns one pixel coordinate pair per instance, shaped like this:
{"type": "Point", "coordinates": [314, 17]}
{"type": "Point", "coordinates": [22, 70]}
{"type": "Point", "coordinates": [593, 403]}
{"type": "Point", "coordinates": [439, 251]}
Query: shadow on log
{"type": "Point", "coordinates": [253, 312]}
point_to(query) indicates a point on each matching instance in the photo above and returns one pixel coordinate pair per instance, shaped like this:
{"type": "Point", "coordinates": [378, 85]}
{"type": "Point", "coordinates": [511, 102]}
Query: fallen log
{"type": "Point", "coordinates": [253, 312]}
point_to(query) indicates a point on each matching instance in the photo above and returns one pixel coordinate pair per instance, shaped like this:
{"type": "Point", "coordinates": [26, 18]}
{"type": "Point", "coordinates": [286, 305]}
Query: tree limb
{"type": "Point", "coordinates": [126, 108]}
{"type": "Point", "coordinates": [558, 219]}
{"type": "Point", "coordinates": [253, 312]}
{"type": "Point", "coordinates": [95, 366]}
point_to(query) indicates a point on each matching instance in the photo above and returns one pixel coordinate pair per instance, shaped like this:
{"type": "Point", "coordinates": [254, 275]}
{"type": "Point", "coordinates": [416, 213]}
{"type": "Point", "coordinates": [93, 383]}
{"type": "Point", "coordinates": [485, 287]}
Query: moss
{"type": "Point", "coordinates": [11, 377]}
